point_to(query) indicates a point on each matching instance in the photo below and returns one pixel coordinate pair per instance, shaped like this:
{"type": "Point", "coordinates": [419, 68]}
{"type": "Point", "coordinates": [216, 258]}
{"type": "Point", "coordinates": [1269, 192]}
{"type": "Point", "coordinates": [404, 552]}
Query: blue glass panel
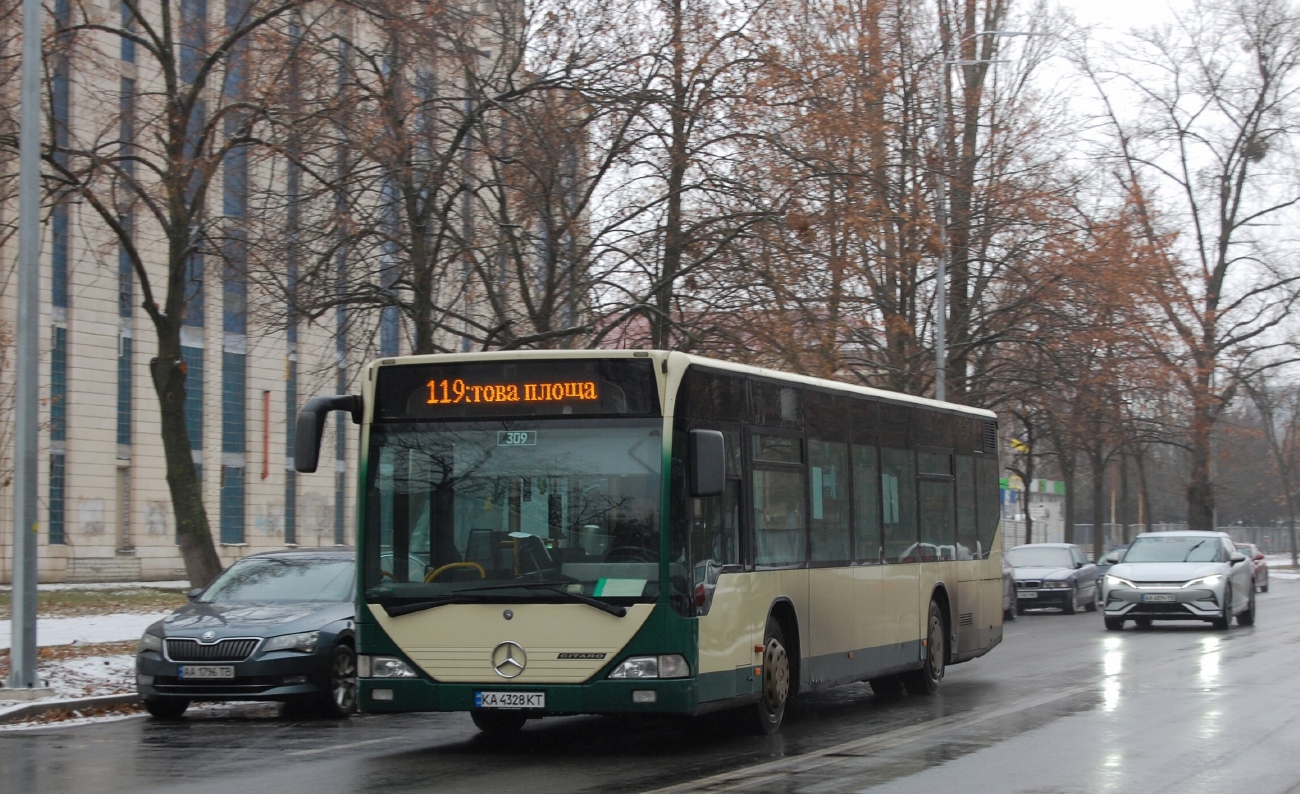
{"type": "Point", "coordinates": [59, 255]}
{"type": "Point", "coordinates": [193, 357]}
{"type": "Point", "coordinates": [124, 393]}
{"type": "Point", "coordinates": [59, 385]}
{"type": "Point", "coordinates": [234, 430]}
{"type": "Point", "coordinates": [232, 504]}
{"type": "Point", "coordinates": [56, 501]}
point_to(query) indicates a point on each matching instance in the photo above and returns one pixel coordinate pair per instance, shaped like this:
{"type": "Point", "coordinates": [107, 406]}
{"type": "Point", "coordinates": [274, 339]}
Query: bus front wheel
{"type": "Point", "coordinates": [926, 680]}
{"type": "Point", "coordinates": [775, 691]}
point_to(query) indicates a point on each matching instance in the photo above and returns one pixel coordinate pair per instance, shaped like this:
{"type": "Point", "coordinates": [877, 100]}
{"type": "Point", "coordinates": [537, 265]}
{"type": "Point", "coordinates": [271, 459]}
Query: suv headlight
{"type": "Point", "coordinates": [304, 642]}
{"type": "Point", "coordinates": [1205, 581]}
{"type": "Point", "coordinates": [667, 666]}
{"type": "Point", "coordinates": [1115, 581]}
{"type": "Point", "coordinates": [149, 642]}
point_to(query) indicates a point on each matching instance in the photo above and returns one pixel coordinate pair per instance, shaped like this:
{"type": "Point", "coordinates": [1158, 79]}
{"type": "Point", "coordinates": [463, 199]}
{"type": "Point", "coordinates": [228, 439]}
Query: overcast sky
{"type": "Point", "coordinates": [1123, 15]}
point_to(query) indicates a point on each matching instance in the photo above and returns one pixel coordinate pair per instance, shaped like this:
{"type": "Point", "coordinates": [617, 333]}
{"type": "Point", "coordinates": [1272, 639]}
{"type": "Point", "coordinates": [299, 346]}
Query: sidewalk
{"type": "Point", "coordinates": [88, 657]}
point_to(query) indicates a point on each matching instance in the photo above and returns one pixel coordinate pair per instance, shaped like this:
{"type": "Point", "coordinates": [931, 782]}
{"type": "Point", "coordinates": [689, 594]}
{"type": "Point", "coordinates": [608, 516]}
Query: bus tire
{"type": "Point", "coordinates": [498, 722]}
{"type": "Point", "coordinates": [925, 681]}
{"type": "Point", "coordinates": [774, 687]}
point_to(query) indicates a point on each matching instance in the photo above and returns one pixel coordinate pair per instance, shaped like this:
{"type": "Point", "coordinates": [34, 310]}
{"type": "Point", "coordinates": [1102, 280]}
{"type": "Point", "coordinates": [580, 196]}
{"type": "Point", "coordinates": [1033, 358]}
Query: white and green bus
{"type": "Point", "coordinates": [576, 532]}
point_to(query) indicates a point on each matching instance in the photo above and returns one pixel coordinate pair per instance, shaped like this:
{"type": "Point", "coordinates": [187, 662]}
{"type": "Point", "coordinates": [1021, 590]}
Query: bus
{"type": "Point", "coordinates": [551, 533]}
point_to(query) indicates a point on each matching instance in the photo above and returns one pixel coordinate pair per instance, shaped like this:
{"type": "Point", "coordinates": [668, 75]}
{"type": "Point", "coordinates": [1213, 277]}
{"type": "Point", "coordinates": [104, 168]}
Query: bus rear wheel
{"type": "Point", "coordinates": [926, 680]}
{"type": "Point", "coordinates": [775, 686]}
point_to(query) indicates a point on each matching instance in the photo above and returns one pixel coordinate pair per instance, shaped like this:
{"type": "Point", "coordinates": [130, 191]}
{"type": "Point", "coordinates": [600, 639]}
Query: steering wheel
{"type": "Point", "coordinates": [630, 554]}
{"type": "Point", "coordinates": [431, 575]}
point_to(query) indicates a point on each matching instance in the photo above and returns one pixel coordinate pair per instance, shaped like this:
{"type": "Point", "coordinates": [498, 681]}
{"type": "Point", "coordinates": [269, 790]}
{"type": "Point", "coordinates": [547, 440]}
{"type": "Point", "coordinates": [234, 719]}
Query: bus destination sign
{"type": "Point", "coordinates": [451, 392]}
{"type": "Point", "coordinates": [516, 388]}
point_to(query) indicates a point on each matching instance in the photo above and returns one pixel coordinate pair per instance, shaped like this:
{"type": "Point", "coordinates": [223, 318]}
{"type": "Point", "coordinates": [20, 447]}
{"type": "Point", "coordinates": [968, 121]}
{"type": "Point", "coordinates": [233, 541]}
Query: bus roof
{"type": "Point", "coordinates": [690, 359]}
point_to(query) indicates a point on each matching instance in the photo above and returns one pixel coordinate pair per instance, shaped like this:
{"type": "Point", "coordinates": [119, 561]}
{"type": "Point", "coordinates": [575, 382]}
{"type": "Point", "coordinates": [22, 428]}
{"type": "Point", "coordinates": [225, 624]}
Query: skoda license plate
{"type": "Point", "coordinates": [1158, 598]}
{"type": "Point", "coordinates": [195, 672]}
{"type": "Point", "coordinates": [509, 700]}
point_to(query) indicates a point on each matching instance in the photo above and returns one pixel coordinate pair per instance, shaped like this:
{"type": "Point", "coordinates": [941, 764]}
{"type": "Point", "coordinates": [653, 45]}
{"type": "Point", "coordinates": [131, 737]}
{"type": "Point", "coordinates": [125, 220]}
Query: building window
{"type": "Point", "coordinates": [124, 392]}
{"type": "Point", "coordinates": [57, 484]}
{"type": "Point", "coordinates": [193, 357]}
{"type": "Point", "coordinates": [59, 385]}
{"type": "Point", "coordinates": [232, 504]}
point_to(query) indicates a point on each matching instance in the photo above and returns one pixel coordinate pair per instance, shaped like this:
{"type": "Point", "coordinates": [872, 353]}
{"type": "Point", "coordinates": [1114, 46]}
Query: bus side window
{"type": "Point", "coordinates": [866, 506]}
{"type": "Point", "coordinates": [828, 473]}
{"type": "Point", "coordinates": [898, 503]}
{"type": "Point", "coordinates": [967, 533]}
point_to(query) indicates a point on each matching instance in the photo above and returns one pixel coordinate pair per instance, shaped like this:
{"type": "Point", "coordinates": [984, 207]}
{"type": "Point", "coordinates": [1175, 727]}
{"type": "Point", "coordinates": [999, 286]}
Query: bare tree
{"type": "Point", "coordinates": [1206, 160]}
{"type": "Point", "coordinates": [203, 89]}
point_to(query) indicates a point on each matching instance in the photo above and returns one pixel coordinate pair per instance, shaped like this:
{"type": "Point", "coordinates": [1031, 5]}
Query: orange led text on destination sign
{"type": "Point", "coordinates": [449, 392]}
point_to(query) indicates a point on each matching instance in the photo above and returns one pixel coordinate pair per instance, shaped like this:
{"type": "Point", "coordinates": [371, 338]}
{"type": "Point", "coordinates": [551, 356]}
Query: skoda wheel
{"type": "Point", "coordinates": [342, 697]}
{"type": "Point", "coordinates": [775, 685]}
{"type": "Point", "coordinates": [166, 708]}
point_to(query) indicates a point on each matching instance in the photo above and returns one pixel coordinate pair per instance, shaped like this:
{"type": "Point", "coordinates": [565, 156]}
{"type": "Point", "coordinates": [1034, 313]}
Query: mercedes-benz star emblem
{"type": "Point", "coordinates": [509, 659]}
{"type": "Point", "coordinates": [208, 636]}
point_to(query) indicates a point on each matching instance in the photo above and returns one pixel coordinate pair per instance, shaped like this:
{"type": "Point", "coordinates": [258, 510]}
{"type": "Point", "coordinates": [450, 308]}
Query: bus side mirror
{"type": "Point", "coordinates": [708, 470]}
{"type": "Point", "coordinates": [310, 427]}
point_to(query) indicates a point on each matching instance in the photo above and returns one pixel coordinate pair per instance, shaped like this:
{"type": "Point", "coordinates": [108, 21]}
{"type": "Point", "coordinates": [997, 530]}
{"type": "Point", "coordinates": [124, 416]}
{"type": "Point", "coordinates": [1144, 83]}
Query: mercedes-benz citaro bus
{"type": "Point", "coordinates": [595, 532]}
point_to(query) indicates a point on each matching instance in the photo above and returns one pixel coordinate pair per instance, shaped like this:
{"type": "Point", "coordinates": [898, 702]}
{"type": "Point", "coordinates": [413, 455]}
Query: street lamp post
{"type": "Point", "coordinates": [941, 288]}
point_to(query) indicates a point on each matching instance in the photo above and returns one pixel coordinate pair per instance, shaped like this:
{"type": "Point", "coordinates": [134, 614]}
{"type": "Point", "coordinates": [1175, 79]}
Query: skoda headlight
{"type": "Point", "coordinates": [1206, 581]}
{"type": "Point", "coordinates": [1115, 581]}
{"type": "Point", "coordinates": [667, 666]}
{"type": "Point", "coordinates": [149, 642]}
{"type": "Point", "coordinates": [304, 642]}
{"type": "Point", "coordinates": [383, 667]}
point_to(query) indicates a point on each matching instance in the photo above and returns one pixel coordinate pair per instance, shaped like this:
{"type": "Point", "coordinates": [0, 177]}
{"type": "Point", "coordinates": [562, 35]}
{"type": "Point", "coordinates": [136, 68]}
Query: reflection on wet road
{"type": "Point", "coordinates": [1062, 705]}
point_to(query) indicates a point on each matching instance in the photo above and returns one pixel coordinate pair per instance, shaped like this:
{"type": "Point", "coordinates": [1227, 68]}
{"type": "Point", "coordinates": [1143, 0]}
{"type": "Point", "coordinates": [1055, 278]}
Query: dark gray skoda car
{"type": "Point", "coordinates": [275, 626]}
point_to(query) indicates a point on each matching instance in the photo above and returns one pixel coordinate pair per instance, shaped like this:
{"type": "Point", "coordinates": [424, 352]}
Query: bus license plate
{"type": "Point", "coordinates": [1158, 598]}
{"type": "Point", "coordinates": [198, 671]}
{"type": "Point", "coordinates": [510, 700]}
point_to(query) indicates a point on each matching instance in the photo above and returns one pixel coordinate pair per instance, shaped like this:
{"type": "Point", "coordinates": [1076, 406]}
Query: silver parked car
{"type": "Point", "coordinates": [1179, 576]}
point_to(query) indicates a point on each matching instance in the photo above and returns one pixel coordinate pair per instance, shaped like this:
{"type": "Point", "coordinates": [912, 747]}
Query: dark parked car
{"type": "Point", "coordinates": [1054, 575]}
{"type": "Point", "coordinates": [275, 626]}
{"type": "Point", "coordinates": [1257, 561]}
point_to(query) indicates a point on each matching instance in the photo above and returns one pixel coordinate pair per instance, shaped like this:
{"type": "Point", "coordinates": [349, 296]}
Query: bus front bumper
{"type": "Point", "coordinates": [640, 696]}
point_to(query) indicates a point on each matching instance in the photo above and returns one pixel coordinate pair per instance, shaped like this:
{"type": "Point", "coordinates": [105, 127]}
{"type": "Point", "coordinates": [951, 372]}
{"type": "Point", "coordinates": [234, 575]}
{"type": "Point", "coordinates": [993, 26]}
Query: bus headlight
{"type": "Point", "coordinates": [667, 666]}
{"type": "Point", "coordinates": [387, 667]}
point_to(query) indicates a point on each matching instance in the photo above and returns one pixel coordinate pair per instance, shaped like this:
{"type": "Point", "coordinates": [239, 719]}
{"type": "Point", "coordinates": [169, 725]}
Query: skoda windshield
{"type": "Point", "coordinates": [537, 509]}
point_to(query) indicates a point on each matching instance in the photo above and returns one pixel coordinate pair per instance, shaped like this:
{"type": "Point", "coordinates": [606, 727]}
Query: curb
{"type": "Point", "coordinates": [24, 710]}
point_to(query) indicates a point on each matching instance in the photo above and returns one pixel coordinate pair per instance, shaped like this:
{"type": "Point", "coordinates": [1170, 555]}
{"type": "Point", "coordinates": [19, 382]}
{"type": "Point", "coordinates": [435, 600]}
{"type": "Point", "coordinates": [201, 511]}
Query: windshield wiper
{"type": "Point", "coordinates": [1199, 544]}
{"type": "Point", "coordinates": [459, 597]}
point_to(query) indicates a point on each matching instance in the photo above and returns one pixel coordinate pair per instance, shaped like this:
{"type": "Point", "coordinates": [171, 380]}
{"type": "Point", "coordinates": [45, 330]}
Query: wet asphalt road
{"type": "Point", "coordinates": [1061, 706]}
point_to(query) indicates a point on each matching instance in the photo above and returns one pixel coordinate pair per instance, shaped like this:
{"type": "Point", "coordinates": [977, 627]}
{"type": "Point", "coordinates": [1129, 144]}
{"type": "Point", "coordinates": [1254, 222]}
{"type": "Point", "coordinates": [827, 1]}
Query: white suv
{"type": "Point", "coordinates": [1179, 576]}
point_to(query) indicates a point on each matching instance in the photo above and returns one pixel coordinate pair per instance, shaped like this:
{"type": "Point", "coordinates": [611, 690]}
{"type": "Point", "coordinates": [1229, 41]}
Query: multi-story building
{"type": "Point", "coordinates": [105, 508]}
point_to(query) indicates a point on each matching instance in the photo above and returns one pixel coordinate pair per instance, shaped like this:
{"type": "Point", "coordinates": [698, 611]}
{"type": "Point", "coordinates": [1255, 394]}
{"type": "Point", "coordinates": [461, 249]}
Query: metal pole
{"type": "Point", "coordinates": [941, 285]}
{"type": "Point", "coordinates": [22, 654]}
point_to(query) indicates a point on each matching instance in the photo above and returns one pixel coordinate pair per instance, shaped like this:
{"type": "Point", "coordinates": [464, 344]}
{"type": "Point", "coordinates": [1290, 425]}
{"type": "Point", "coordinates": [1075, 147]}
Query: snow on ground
{"type": "Point", "coordinates": [85, 630]}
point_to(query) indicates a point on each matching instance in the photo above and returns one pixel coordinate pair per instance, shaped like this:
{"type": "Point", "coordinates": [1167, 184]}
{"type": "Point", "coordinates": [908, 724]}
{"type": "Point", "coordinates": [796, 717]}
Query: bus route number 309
{"type": "Point", "coordinates": [510, 700]}
{"type": "Point", "coordinates": [516, 438]}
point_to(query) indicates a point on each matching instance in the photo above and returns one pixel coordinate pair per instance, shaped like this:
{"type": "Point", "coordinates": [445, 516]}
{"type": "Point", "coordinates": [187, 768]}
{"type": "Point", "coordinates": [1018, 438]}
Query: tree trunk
{"type": "Point", "coordinates": [192, 531]}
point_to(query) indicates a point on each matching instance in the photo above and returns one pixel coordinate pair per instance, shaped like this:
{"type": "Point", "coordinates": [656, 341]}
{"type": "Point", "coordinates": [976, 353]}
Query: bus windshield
{"type": "Point", "coordinates": [519, 510]}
